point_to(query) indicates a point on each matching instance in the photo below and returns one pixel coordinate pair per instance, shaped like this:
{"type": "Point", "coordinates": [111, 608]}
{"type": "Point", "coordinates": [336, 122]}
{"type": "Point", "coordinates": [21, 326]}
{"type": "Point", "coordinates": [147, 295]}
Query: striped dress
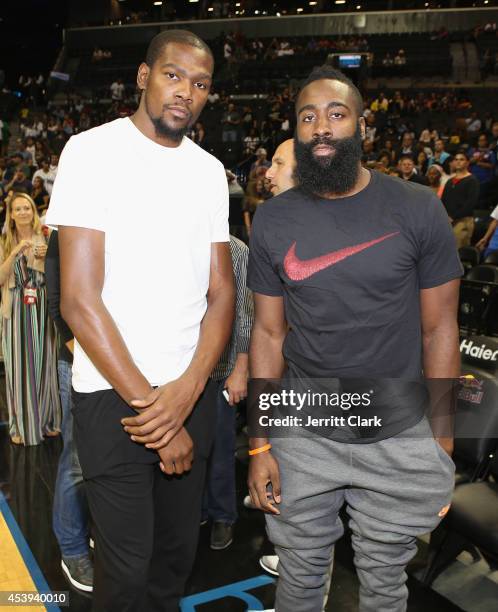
{"type": "Point", "coordinates": [29, 349]}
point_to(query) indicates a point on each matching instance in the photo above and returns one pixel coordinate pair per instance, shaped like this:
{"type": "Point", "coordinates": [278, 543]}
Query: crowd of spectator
{"type": "Point", "coordinates": [413, 136]}
{"type": "Point", "coordinates": [237, 48]}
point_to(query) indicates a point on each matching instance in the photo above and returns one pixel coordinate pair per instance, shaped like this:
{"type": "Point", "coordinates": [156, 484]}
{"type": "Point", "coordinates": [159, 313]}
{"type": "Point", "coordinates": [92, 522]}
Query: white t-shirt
{"type": "Point", "coordinates": [48, 179]}
{"type": "Point", "coordinates": [117, 90]}
{"type": "Point", "coordinates": [160, 209]}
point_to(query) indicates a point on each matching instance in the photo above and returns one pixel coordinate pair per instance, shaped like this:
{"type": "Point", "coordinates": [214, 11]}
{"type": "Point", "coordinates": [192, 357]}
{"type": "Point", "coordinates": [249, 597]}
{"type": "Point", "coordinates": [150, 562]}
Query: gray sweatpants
{"type": "Point", "coordinates": [394, 489]}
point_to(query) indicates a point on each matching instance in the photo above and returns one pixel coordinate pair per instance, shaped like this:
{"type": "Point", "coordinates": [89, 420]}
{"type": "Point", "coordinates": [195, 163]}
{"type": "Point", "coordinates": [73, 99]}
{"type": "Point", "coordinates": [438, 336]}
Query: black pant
{"type": "Point", "coordinates": [146, 523]}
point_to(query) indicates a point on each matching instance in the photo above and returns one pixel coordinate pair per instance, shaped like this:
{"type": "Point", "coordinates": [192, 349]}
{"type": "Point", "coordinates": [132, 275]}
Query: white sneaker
{"type": "Point", "coordinates": [92, 544]}
{"type": "Point", "coordinates": [248, 503]}
{"type": "Point", "coordinates": [270, 564]}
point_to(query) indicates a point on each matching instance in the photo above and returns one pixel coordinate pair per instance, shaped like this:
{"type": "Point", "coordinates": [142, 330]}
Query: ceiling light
{"type": "Point", "coordinates": [313, 3]}
{"type": "Point", "coordinates": [358, 7]}
{"type": "Point", "coordinates": [192, 1]}
{"type": "Point", "coordinates": [340, 1]}
{"type": "Point", "coordinates": [210, 9]}
{"type": "Point", "coordinates": [158, 3]}
{"type": "Point", "coordinates": [279, 15]}
{"type": "Point", "coordinates": [237, 4]}
{"type": "Point", "coordinates": [256, 12]}
{"type": "Point", "coordinates": [299, 10]}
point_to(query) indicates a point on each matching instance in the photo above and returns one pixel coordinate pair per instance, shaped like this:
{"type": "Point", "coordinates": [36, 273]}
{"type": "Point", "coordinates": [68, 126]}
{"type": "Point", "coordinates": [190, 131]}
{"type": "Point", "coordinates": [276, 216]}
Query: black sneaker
{"type": "Point", "coordinates": [221, 535]}
{"type": "Point", "coordinates": [79, 572]}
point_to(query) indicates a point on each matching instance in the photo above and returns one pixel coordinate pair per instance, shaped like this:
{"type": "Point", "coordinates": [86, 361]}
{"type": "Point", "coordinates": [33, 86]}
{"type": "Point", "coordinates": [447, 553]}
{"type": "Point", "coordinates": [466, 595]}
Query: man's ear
{"type": "Point", "coordinates": [361, 123]}
{"type": "Point", "coordinates": [142, 76]}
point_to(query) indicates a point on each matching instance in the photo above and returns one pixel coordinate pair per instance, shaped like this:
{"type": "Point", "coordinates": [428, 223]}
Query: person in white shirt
{"type": "Point", "coordinates": [213, 97]}
{"type": "Point", "coordinates": [234, 187]}
{"type": "Point", "coordinates": [46, 174]}
{"type": "Point", "coordinates": [473, 124]}
{"type": "Point", "coordinates": [117, 90]}
{"type": "Point", "coordinates": [151, 311]}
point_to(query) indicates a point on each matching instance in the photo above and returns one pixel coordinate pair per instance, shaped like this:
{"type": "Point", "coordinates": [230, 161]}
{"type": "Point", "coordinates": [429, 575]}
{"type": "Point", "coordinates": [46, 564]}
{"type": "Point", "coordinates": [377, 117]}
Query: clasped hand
{"type": "Point", "coordinates": [162, 413]}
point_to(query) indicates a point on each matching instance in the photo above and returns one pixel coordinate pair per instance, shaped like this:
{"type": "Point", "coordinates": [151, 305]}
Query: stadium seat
{"type": "Point", "coordinates": [471, 521]}
{"type": "Point", "coordinates": [476, 424]}
{"type": "Point", "coordinates": [492, 259]}
{"type": "Point", "coordinates": [469, 256]}
{"type": "Point", "coordinates": [477, 306]}
{"type": "Point", "coordinates": [483, 272]}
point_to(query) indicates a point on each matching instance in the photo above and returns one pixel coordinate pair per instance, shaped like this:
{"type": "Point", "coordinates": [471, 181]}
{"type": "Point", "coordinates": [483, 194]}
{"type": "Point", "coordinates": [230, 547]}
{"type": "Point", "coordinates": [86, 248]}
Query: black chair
{"type": "Point", "coordinates": [472, 521]}
{"type": "Point", "coordinates": [483, 272]}
{"type": "Point", "coordinates": [475, 309]}
{"type": "Point", "coordinates": [476, 423]}
{"type": "Point", "coordinates": [492, 258]}
{"type": "Point", "coordinates": [469, 256]}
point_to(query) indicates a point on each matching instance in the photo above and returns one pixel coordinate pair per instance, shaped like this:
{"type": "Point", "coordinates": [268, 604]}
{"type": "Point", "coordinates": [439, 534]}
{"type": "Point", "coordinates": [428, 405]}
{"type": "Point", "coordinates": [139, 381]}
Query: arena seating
{"type": "Point", "coordinates": [469, 256]}
{"type": "Point", "coordinates": [471, 521]}
{"type": "Point", "coordinates": [424, 57]}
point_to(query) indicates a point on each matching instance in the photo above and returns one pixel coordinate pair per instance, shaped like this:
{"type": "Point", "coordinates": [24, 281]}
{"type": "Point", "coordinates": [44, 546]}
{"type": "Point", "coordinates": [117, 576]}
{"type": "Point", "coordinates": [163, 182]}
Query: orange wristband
{"type": "Point", "coordinates": [261, 449]}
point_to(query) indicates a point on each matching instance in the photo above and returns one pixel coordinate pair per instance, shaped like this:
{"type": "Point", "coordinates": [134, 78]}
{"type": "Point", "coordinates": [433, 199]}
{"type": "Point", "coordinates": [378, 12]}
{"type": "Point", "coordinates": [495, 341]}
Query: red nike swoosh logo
{"type": "Point", "coordinates": [298, 269]}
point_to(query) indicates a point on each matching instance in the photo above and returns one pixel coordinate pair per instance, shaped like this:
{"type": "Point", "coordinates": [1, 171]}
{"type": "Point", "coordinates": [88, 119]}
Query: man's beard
{"type": "Point", "coordinates": [337, 173]}
{"type": "Point", "coordinates": [163, 130]}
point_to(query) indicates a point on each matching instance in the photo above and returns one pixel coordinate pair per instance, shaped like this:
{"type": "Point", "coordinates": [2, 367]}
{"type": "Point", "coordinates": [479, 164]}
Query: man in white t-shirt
{"type": "Point", "coordinates": [151, 312]}
{"type": "Point", "coordinates": [46, 174]}
{"type": "Point", "coordinates": [117, 90]}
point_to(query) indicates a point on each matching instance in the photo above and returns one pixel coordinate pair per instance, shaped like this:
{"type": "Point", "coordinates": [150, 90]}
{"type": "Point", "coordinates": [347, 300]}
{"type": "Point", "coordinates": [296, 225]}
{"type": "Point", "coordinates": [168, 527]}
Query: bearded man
{"type": "Point", "coordinates": [355, 280]}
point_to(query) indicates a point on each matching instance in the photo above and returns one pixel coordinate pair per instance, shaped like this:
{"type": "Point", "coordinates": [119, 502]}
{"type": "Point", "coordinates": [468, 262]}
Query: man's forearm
{"type": "Point", "coordinates": [241, 363]}
{"type": "Point", "coordinates": [490, 231]}
{"type": "Point", "coordinates": [215, 331]}
{"type": "Point", "coordinates": [442, 368]}
{"type": "Point", "coordinates": [265, 361]}
{"type": "Point", "coordinates": [99, 337]}
{"type": "Point", "coordinates": [441, 352]}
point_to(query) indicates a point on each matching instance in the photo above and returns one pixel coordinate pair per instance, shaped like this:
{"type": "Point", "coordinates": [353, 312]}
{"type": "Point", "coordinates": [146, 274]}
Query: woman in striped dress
{"type": "Point", "coordinates": [28, 335]}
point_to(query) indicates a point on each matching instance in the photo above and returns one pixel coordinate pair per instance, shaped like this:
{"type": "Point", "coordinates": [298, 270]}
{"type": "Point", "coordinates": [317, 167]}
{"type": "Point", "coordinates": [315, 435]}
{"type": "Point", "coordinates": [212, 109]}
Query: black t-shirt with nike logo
{"type": "Point", "coordinates": [350, 271]}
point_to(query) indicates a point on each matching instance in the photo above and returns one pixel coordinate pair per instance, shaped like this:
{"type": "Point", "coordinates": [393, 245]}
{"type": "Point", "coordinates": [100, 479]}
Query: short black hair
{"type": "Point", "coordinates": [183, 37]}
{"type": "Point", "coordinates": [329, 72]}
{"type": "Point", "coordinates": [406, 156]}
{"type": "Point", "coordinates": [464, 153]}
